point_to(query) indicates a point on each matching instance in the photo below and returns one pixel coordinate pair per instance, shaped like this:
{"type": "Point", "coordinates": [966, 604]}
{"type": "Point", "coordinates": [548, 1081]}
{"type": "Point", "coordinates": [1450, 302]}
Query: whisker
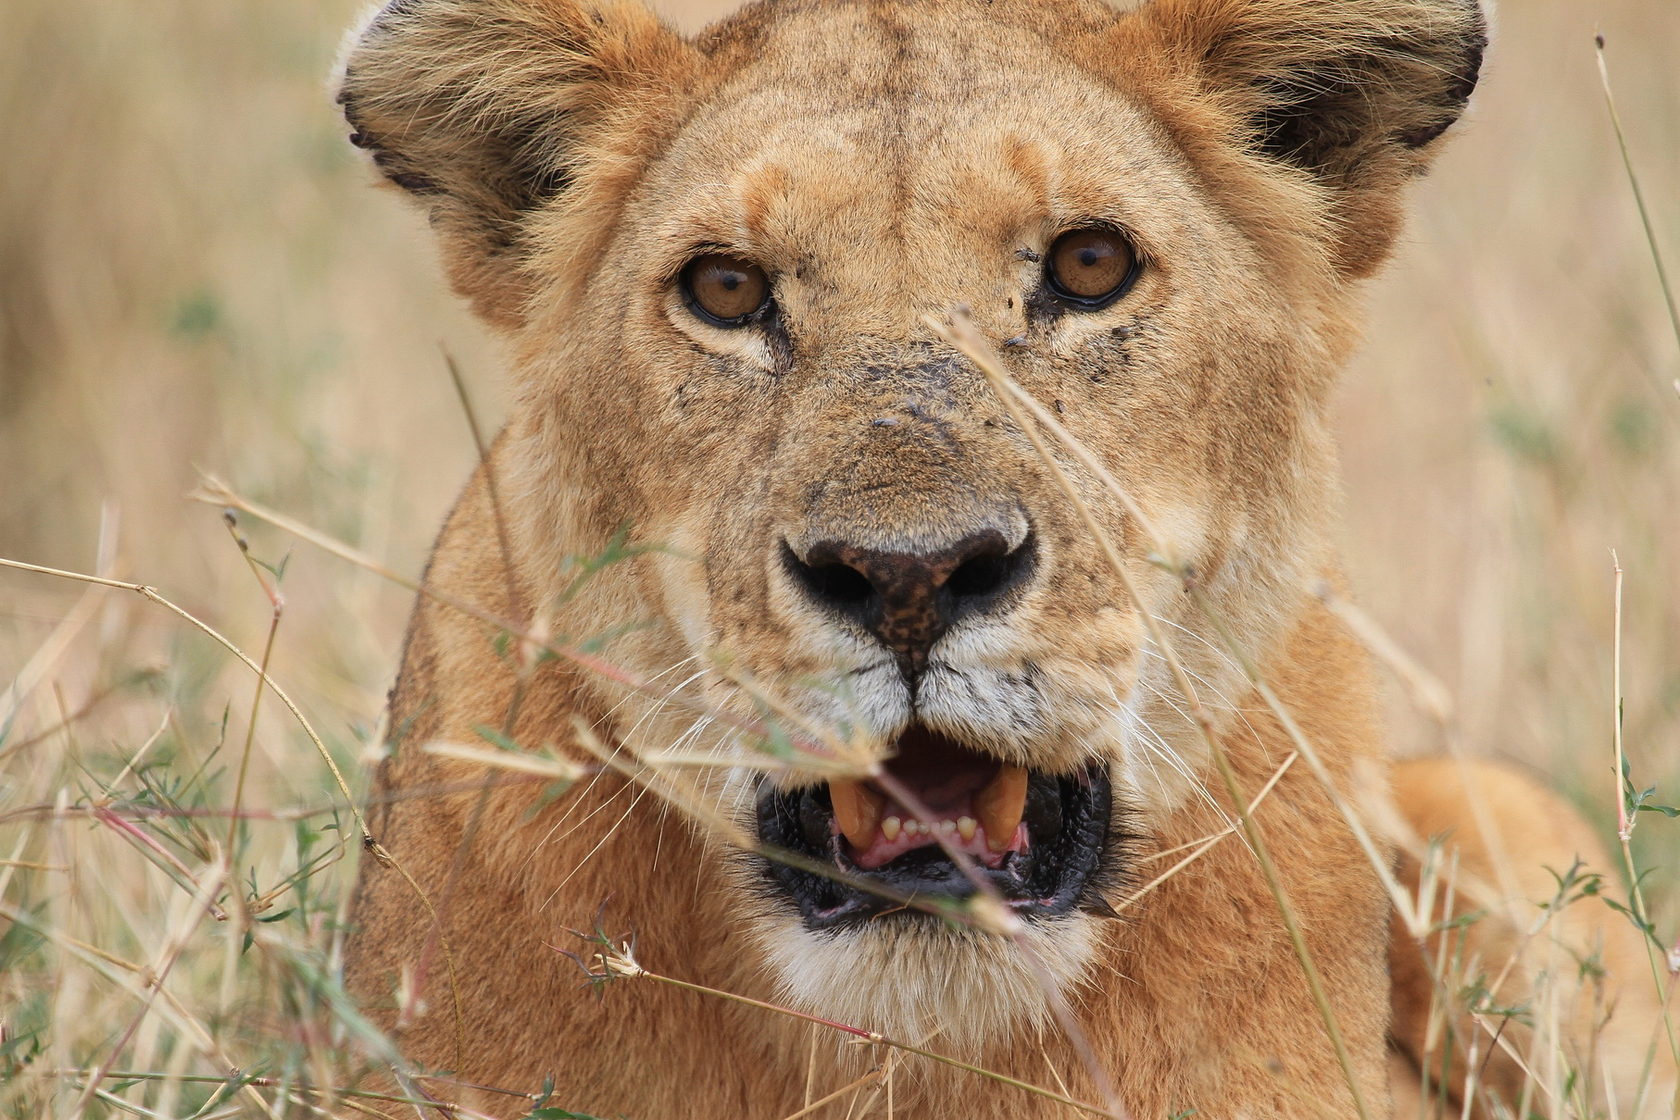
{"type": "Point", "coordinates": [641, 791]}
{"type": "Point", "coordinates": [577, 795]}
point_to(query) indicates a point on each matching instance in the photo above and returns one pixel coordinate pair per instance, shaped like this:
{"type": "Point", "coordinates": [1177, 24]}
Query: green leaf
{"type": "Point", "coordinates": [278, 571]}
{"type": "Point", "coordinates": [599, 642]}
{"type": "Point", "coordinates": [547, 1091]}
{"type": "Point", "coordinates": [497, 739]}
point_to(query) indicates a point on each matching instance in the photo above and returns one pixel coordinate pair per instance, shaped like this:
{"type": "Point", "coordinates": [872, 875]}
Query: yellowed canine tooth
{"type": "Point", "coordinates": [857, 809]}
{"type": "Point", "coordinates": [999, 806]}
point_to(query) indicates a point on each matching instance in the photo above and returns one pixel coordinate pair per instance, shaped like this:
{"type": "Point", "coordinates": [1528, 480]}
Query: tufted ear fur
{"type": "Point", "coordinates": [1354, 92]}
{"type": "Point", "coordinates": [486, 110]}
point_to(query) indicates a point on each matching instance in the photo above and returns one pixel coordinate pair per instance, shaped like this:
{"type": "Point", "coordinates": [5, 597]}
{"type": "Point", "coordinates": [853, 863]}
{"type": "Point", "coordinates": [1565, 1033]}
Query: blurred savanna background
{"type": "Point", "coordinates": [198, 276]}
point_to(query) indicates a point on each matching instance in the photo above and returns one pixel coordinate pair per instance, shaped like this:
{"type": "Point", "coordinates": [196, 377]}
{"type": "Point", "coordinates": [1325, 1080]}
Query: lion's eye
{"type": "Point", "coordinates": [1091, 268]}
{"type": "Point", "coordinates": [723, 290]}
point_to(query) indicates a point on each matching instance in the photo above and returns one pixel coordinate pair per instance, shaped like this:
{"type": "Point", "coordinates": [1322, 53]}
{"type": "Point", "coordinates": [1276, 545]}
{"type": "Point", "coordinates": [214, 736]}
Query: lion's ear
{"type": "Point", "coordinates": [1352, 91]}
{"type": "Point", "coordinates": [485, 110]}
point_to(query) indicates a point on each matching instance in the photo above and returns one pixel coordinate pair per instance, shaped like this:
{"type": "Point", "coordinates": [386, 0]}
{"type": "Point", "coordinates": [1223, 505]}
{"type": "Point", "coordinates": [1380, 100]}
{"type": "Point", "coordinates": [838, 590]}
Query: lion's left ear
{"type": "Point", "coordinates": [1353, 91]}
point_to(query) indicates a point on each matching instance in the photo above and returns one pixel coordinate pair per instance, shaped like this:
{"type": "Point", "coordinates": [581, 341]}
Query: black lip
{"type": "Point", "coordinates": [1050, 878]}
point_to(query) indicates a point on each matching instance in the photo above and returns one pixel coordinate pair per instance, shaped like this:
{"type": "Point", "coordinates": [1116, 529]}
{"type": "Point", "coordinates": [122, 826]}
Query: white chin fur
{"type": "Point", "coordinates": [953, 990]}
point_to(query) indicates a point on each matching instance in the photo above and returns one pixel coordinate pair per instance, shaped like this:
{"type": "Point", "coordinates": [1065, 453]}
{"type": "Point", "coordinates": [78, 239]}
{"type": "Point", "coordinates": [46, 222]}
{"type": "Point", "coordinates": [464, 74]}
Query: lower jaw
{"type": "Point", "coordinates": [921, 981]}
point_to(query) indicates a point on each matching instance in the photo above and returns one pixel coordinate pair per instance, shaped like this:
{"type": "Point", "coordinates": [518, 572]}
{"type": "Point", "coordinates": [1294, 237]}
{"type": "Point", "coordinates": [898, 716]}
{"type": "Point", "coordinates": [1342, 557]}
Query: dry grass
{"type": "Point", "coordinates": [195, 272]}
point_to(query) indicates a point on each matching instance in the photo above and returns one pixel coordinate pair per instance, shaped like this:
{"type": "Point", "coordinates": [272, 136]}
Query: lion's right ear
{"type": "Point", "coordinates": [485, 110]}
{"type": "Point", "coordinates": [1352, 92]}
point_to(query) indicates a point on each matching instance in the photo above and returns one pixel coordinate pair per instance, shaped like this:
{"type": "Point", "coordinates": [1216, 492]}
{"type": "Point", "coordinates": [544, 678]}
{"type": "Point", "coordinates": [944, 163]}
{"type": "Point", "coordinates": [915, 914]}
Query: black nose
{"type": "Point", "coordinates": [909, 599]}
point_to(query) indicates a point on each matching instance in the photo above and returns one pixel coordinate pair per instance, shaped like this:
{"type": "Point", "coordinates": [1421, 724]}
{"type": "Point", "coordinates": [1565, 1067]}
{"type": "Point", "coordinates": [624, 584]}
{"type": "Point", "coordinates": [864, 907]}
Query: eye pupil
{"type": "Point", "coordinates": [1090, 268]}
{"type": "Point", "coordinates": [724, 290]}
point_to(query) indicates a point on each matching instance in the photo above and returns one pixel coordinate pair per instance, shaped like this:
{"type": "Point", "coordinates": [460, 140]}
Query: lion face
{"type": "Point", "coordinates": [716, 261]}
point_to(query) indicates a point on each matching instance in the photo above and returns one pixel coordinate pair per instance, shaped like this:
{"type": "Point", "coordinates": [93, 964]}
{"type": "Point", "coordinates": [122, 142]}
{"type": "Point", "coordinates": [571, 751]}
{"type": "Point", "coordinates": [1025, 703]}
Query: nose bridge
{"type": "Point", "coordinates": [913, 466]}
{"type": "Point", "coordinates": [911, 519]}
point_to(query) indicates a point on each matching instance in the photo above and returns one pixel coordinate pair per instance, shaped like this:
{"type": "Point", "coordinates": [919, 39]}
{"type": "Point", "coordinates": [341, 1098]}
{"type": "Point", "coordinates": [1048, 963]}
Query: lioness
{"type": "Point", "coordinates": [906, 706]}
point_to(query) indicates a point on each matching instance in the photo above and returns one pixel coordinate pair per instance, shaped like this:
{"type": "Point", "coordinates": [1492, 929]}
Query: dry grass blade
{"type": "Point", "coordinates": [960, 334]}
{"type": "Point", "coordinates": [213, 492]}
{"type": "Point", "coordinates": [40, 664]}
{"type": "Point", "coordinates": [870, 1078]}
{"type": "Point", "coordinates": [618, 962]}
{"type": "Point", "coordinates": [1638, 194]}
{"type": "Point", "coordinates": [369, 842]}
{"type": "Point", "coordinates": [554, 769]}
{"type": "Point", "coordinates": [1201, 847]}
{"type": "Point", "coordinates": [1425, 687]}
{"type": "Point", "coordinates": [151, 595]}
{"type": "Point", "coordinates": [206, 887]}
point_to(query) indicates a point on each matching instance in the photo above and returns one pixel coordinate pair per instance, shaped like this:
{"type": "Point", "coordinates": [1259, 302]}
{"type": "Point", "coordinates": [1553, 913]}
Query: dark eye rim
{"type": "Point", "coordinates": [1114, 294]}
{"type": "Point", "coordinates": [695, 308]}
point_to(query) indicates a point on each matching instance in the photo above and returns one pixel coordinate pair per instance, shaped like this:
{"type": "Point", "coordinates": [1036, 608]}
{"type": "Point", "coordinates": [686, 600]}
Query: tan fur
{"type": "Point", "coordinates": [883, 159]}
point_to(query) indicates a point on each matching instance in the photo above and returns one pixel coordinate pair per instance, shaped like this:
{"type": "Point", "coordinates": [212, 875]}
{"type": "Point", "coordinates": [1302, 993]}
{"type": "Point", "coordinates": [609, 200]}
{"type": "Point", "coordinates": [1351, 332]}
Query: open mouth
{"type": "Point", "coordinates": [1036, 838]}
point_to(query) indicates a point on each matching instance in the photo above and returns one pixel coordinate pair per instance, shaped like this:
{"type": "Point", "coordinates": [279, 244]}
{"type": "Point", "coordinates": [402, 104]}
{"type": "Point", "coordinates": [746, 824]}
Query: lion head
{"type": "Point", "coordinates": [722, 265]}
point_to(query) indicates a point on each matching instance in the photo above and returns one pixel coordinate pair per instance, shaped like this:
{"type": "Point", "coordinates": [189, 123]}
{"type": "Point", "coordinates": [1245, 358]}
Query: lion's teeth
{"type": "Point", "coordinates": [857, 810]}
{"type": "Point", "coordinates": [859, 814]}
{"type": "Point", "coordinates": [999, 806]}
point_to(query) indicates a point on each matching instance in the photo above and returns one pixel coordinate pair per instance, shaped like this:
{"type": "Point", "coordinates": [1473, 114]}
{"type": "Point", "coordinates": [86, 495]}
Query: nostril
{"type": "Point", "coordinates": [838, 584]}
{"type": "Point", "coordinates": [991, 570]}
{"type": "Point", "coordinates": [980, 576]}
{"type": "Point", "coordinates": [831, 582]}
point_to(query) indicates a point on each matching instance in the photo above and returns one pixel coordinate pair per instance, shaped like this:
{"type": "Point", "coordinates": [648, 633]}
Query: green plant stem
{"type": "Point", "coordinates": [277, 607]}
{"type": "Point", "coordinates": [1624, 835]}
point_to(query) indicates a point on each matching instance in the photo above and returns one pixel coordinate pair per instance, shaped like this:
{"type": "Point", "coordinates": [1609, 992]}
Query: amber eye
{"type": "Point", "coordinates": [1091, 268]}
{"type": "Point", "coordinates": [725, 291]}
